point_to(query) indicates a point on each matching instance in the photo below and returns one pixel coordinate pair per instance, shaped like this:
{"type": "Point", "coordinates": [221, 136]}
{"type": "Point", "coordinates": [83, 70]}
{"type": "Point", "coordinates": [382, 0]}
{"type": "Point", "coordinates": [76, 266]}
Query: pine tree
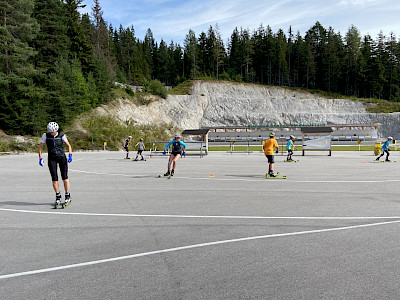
{"type": "Point", "coordinates": [352, 55]}
{"type": "Point", "coordinates": [18, 93]}
{"type": "Point", "coordinates": [235, 55]}
{"type": "Point", "coordinates": [191, 54]}
{"type": "Point", "coordinates": [52, 42]}
{"type": "Point", "coordinates": [248, 50]}
{"type": "Point", "coordinates": [281, 55]}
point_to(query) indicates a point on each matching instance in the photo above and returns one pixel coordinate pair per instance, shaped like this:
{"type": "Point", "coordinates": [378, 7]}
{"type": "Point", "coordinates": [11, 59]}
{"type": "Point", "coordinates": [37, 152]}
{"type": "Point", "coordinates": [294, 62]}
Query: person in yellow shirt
{"type": "Point", "coordinates": [268, 148]}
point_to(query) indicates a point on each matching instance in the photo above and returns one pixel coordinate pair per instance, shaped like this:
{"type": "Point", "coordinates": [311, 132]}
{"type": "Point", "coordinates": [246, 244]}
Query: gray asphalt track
{"type": "Point", "coordinates": [131, 235]}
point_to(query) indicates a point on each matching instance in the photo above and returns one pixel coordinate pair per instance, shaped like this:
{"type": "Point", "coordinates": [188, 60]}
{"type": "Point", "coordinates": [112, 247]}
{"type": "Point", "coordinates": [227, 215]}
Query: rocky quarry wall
{"type": "Point", "coordinates": [231, 104]}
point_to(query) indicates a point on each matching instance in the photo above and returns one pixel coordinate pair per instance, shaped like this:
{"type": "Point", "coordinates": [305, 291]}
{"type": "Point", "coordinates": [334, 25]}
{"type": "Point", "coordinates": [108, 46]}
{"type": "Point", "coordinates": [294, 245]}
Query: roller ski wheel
{"type": "Point", "coordinates": [290, 160]}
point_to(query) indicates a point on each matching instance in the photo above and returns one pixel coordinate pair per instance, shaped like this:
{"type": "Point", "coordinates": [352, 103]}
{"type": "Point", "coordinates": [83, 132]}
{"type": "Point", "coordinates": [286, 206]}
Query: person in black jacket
{"type": "Point", "coordinates": [56, 156]}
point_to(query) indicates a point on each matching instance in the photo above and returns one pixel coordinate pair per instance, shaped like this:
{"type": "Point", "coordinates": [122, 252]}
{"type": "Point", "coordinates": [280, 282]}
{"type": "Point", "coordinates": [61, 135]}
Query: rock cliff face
{"type": "Point", "coordinates": [230, 104]}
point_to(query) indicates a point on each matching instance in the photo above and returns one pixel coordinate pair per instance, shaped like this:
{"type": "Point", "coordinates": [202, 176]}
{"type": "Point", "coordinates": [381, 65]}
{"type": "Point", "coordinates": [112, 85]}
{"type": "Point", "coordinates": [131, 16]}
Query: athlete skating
{"type": "Point", "coordinates": [176, 153]}
{"type": "Point", "coordinates": [56, 156]}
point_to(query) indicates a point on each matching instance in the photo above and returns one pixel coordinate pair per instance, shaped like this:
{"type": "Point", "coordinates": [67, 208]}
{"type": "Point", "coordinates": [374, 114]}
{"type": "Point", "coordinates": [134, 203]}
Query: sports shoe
{"type": "Point", "coordinates": [387, 160]}
{"type": "Point", "coordinates": [172, 173]}
{"type": "Point", "coordinates": [377, 159]}
{"type": "Point", "coordinates": [167, 174]}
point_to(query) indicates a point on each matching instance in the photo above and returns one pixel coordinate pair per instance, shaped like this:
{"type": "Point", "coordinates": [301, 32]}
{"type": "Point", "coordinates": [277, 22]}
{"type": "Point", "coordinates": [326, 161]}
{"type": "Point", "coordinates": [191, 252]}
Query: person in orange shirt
{"type": "Point", "coordinates": [268, 148]}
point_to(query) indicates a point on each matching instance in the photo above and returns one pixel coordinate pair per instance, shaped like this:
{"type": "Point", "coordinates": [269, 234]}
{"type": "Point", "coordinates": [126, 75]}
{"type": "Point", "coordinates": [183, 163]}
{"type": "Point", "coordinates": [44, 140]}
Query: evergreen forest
{"type": "Point", "coordinates": [56, 63]}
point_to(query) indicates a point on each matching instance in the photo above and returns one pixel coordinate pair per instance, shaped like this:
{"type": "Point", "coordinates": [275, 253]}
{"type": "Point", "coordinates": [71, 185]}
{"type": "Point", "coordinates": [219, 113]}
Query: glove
{"type": "Point", "coordinates": [70, 158]}
{"type": "Point", "coordinates": [41, 162]}
{"type": "Point", "coordinates": [164, 152]}
{"type": "Point", "coordinates": [276, 151]}
{"type": "Point", "coordinates": [183, 153]}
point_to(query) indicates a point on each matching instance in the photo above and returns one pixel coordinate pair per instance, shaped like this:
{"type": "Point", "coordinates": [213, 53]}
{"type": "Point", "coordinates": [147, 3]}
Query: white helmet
{"type": "Point", "coordinates": [390, 138]}
{"type": "Point", "coordinates": [177, 135]}
{"type": "Point", "coordinates": [52, 127]}
{"type": "Point", "coordinates": [292, 136]}
{"type": "Point", "coordinates": [129, 137]}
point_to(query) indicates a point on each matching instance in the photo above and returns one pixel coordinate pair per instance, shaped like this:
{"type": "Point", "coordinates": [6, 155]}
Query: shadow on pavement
{"type": "Point", "coordinates": [21, 203]}
{"type": "Point", "coordinates": [247, 176]}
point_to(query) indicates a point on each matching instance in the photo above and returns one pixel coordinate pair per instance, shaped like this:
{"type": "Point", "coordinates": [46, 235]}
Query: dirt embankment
{"type": "Point", "coordinates": [232, 104]}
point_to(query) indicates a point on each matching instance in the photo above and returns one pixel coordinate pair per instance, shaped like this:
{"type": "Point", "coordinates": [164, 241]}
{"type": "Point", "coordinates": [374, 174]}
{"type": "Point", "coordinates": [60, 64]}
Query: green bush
{"type": "Point", "coordinates": [156, 87]}
{"type": "Point", "coordinates": [100, 129]}
{"type": "Point", "coordinates": [184, 88]}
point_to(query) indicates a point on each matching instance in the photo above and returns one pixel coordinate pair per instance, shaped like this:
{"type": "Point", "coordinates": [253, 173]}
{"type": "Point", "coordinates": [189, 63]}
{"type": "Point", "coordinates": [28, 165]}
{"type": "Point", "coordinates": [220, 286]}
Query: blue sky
{"type": "Point", "coordinates": [172, 19]}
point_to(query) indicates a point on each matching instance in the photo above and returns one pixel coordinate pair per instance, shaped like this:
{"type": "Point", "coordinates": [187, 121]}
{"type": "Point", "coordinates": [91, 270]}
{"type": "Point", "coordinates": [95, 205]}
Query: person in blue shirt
{"type": "Point", "coordinates": [289, 148]}
{"type": "Point", "coordinates": [385, 149]}
{"type": "Point", "coordinates": [176, 153]}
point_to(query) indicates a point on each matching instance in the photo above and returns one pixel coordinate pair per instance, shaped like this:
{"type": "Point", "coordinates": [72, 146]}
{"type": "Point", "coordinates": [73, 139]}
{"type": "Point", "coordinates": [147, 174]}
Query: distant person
{"type": "Point", "coordinates": [290, 148]}
{"type": "Point", "coordinates": [176, 153]}
{"type": "Point", "coordinates": [268, 148]}
{"type": "Point", "coordinates": [385, 149]}
{"type": "Point", "coordinates": [140, 149]}
{"type": "Point", "coordinates": [126, 146]}
{"type": "Point", "coordinates": [56, 156]}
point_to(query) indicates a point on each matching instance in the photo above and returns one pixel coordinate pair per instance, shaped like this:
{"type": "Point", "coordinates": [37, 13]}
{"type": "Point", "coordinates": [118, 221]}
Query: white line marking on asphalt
{"type": "Point", "coordinates": [199, 217]}
{"type": "Point", "coordinates": [288, 180]}
{"type": "Point", "coordinates": [247, 180]}
{"type": "Point", "coordinates": [110, 174]}
{"type": "Point", "coordinates": [101, 261]}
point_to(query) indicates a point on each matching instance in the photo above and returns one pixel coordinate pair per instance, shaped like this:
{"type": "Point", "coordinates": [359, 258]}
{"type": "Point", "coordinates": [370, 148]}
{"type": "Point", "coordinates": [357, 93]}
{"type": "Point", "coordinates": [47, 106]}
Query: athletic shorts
{"type": "Point", "coordinates": [61, 161]}
{"type": "Point", "coordinates": [270, 158]}
{"type": "Point", "coordinates": [290, 152]}
{"type": "Point", "coordinates": [176, 153]}
{"type": "Point", "coordinates": [139, 152]}
{"type": "Point", "coordinates": [127, 149]}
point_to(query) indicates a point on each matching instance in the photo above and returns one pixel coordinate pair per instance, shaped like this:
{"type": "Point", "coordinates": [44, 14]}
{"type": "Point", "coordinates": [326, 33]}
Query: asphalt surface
{"type": "Point", "coordinates": [217, 230]}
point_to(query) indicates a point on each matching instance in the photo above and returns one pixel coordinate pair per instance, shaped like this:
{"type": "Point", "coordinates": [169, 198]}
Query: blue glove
{"type": "Point", "coordinates": [164, 152]}
{"type": "Point", "coordinates": [41, 162]}
{"type": "Point", "coordinates": [183, 153]}
{"type": "Point", "coordinates": [70, 158]}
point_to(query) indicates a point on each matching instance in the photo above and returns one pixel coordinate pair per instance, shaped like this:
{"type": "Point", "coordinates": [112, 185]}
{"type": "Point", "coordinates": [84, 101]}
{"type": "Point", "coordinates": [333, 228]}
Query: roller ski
{"type": "Point", "coordinates": [168, 174]}
{"type": "Point", "coordinates": [385, 161]}
{"type": "Point", "coordinates": [58, 203]}
{"type": "Point", "coordinates": [274, 176]}
{"type": "Point", "coordinates": [67, 200]}
{"type": "Point", "coordinates": [290, 160]}
{"type": "Point", "coordinates": [139, 159]}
